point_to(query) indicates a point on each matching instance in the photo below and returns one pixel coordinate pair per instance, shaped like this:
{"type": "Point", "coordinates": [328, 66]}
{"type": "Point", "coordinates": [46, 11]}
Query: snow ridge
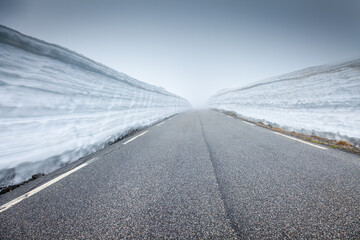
{"type": "Point", "coordinates": [57, 106]}
{"type": "Point", "coordinates": [322, 100]}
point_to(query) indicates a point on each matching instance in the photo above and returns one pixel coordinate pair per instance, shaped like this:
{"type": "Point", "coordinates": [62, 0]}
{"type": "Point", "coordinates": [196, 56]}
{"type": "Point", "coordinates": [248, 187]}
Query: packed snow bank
{"type": "Point", "coordinates": [324, 101]}
{"type": "Point", "coordinates": [57, 106]}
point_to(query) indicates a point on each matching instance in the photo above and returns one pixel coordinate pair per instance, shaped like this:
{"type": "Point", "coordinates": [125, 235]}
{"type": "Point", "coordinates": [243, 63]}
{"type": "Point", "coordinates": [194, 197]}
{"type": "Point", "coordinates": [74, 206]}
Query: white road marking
{"type": "Point", "coordinates": [45, 185]}
{"type": "Point", "coordinates": [300, 141]}
{"type": "Point", "coordinates": [160, 124]}
{"type": "Point", "coordinates": [135, 137]}
{"type": "Point", "coordinates": [249, 123]}
{"type": "Point", "coordinates": [229, 116]}
{"type": "Point", "coordinates": [92, 160]}
{"type": "Point", "coordinates": [51, 182]}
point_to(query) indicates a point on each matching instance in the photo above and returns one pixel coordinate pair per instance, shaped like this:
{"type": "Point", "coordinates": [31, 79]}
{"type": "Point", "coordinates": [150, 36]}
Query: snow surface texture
{"type": "Point", "coordinates": [57, 106]}
{"type": "Point", "coordinates": [324, 101]}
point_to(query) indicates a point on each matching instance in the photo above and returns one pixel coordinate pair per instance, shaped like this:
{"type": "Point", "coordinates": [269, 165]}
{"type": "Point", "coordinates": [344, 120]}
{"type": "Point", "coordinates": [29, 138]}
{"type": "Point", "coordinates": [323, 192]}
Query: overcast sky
{"type": "Point", "coordinates": [195, 48]}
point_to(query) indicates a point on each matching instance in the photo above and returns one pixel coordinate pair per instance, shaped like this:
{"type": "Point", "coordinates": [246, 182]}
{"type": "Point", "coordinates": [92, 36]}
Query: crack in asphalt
{"type": "Point", "coordinates": [229, 216]}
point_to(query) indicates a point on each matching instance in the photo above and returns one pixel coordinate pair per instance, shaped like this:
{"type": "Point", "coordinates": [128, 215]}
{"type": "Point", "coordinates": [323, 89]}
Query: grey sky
{"type": "Point", "coordinates": [195, 48]}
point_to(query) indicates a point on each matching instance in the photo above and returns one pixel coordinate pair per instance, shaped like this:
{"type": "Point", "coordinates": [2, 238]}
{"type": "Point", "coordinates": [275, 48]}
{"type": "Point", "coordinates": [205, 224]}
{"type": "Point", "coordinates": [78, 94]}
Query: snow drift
{"type": "Point", "coordinates": [324, 101]}
{"type": "Point", "coordinates": [57, 106]}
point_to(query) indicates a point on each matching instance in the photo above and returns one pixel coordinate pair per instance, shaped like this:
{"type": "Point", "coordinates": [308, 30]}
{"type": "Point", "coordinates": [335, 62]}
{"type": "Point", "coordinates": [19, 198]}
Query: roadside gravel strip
{"type": "Point", "coordinates": [200, 175]}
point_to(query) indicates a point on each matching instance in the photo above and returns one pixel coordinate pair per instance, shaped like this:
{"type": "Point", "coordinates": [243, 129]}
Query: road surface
{"type": "Point", "coordinates": [199, 175]}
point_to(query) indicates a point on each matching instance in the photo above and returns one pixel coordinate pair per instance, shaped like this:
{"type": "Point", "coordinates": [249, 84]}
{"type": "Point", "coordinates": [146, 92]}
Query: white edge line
{"type": "Point", "coordinates": [249, 123]}
{"type": "Point", "coordinates": [300, 141]}
{"type": "Point", "coordinates": [42, 187]}
{"type": "Point", "coordinates": [132, 139]}
{"type": "Point", "coordinates": [92, 160]}
{"type": "Point", "coordinates": [160, 124]}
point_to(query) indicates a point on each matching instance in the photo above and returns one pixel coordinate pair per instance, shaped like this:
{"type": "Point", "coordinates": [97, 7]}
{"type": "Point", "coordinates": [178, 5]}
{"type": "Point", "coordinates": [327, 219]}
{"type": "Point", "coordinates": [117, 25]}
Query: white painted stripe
{"type": "Point", "coordinates": [300, 141]}
{"type": "Point", "coordinates": [249, 123]}
{"type": "Point", "coordinates": [92, 160]}
{"type": "Point", "coordinates": [135, 137]}
{"type": "Point", "coordinates": [38, 189]}
{"type": "Point", "coordinates": [160, 124]}
{"type": "Point", "coordinates": [229, 116]}
{"type": "Point", "coordinates": [45, 185]}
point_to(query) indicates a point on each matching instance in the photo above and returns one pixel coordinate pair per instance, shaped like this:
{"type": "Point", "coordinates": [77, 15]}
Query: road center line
{"type": "Point", "coordinates": [132, 139]}
{"type": "Point", "coordinates": [249, 123]}
{"type": "Point", "coordinates": [300, 141]}
{"type": "Point", "coordinates": [160, 124]}
{"type": "Point", "coordinates": [42, 187]}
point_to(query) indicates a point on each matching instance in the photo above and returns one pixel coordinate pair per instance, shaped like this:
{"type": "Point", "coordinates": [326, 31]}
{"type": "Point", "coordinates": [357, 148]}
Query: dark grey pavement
{"type": "Point", "coordinates": [199, 175]}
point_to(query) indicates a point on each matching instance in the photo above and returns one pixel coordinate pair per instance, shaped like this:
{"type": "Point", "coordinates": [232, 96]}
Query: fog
{"type": "Point", "coordinates": [195, 48]}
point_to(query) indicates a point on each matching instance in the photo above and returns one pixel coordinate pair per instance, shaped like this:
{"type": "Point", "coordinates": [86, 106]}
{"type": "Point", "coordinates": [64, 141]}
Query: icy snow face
{"type": "Point", "coordinates": [57, 106]}
{"type": "Point", "coordinates": [322, 100]}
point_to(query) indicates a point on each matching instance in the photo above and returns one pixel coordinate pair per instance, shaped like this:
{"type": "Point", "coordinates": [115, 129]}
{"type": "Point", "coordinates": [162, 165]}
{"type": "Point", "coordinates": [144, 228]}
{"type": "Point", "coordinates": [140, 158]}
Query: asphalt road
{"type": "Point", "coordinates": [199, 175]}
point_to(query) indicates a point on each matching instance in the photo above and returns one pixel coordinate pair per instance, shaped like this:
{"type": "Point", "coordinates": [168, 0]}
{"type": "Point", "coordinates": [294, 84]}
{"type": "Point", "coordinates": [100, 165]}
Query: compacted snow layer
{"type": "Point", "coordinates": [57, 106]}
{"type": "Point", "coordinates": [324, 101]}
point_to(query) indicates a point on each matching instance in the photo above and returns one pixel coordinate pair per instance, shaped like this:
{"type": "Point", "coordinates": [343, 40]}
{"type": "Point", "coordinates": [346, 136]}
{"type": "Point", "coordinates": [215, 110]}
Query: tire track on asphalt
{"type": "Point", "coordinates": [228, 211]}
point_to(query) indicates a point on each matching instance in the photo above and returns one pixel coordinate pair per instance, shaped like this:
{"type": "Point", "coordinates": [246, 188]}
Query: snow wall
{"type": "Point", "coordinates": [57, 106]}
{"type": "Point", "coordinates": [323, 101]}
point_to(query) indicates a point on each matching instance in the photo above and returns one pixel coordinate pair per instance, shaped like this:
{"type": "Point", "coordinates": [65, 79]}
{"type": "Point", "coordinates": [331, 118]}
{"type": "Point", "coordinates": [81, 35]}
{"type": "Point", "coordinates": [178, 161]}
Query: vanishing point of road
{"type": "Point", "coordinates": [199, 175]}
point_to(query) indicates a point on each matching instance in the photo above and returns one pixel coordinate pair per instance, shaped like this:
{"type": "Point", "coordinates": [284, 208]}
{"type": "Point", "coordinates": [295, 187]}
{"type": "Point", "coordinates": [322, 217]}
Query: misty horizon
{"type": "Point", "coordinates": [195, 48]}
